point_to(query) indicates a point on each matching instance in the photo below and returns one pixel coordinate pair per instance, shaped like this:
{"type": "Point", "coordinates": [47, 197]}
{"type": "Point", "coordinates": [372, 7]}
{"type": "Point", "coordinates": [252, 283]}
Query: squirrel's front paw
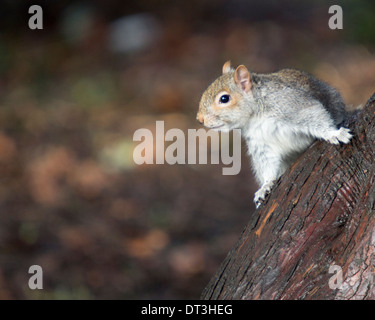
{"type": "Point", "coordinates": [261, 194]}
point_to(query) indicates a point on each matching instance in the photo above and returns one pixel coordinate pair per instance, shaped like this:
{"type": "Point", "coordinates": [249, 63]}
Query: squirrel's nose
{"type": "Point", "coordinates": [200, 118]}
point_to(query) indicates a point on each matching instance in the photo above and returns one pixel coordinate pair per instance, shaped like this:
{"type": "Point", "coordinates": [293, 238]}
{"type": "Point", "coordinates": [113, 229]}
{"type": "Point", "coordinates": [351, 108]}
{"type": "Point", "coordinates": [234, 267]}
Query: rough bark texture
{"type": "Point", "coordinates": [321, 213]}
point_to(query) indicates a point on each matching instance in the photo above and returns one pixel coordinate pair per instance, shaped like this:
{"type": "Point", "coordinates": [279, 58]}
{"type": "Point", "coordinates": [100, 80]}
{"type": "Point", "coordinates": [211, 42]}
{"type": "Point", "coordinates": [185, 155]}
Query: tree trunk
{"type": "Point", "coordinates": [314, 238]}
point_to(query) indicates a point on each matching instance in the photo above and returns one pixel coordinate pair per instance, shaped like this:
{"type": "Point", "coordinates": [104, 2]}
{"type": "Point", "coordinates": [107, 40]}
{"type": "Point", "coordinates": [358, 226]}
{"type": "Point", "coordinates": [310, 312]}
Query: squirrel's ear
{"type": "Point", "coordinates": [242, 78]}
{"type": "Point", "coordinates": [226, 67]}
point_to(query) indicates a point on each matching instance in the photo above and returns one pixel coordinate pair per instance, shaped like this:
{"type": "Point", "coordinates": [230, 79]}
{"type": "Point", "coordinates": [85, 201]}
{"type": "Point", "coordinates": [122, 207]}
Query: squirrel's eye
{"type": "Point", "coordinates": [224, 98]}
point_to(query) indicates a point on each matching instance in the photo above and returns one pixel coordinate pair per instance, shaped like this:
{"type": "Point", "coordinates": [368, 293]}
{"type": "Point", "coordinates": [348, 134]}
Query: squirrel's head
{"type": "Point", "coordinates": [224, 104]}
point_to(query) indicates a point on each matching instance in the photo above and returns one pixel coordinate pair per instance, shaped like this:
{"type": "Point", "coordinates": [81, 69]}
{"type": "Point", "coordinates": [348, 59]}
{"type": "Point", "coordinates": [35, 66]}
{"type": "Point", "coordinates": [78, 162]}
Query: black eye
{"type": "Point", "coordinates": [224, 98]}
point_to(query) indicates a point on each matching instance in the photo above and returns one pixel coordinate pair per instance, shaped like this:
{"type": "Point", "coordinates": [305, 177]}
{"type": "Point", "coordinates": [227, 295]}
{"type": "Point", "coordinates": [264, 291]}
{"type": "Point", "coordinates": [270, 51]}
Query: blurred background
{"type": "Point", "coordinates": [71, 96]}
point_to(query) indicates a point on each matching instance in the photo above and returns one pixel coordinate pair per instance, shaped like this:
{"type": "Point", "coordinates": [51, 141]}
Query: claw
{"type": "Point", "coordinates": [262, 193]}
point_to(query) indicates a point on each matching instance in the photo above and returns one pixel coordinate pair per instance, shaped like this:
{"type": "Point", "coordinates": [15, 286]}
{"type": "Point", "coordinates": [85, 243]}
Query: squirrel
{"type": "Point", "coordinates": [280, 115]}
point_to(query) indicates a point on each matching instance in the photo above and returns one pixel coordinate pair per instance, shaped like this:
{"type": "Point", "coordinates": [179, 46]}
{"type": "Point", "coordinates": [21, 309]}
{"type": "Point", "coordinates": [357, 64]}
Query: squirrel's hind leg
{"type": "Point", "coordinates": [322, 127]}
{"type": "Point", "coordinates": [340, 135]}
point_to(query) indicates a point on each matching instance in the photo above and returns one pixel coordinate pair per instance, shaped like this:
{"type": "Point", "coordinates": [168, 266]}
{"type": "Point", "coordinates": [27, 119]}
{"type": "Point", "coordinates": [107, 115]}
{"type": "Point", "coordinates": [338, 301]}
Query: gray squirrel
{"type": "Point", "coordinates": [280, 115]}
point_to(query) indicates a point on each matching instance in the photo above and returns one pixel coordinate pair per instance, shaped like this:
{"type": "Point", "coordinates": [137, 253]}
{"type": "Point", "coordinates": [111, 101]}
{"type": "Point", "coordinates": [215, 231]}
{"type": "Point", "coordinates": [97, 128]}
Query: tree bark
{"type": "Point", "coordinates": [314, 238]}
